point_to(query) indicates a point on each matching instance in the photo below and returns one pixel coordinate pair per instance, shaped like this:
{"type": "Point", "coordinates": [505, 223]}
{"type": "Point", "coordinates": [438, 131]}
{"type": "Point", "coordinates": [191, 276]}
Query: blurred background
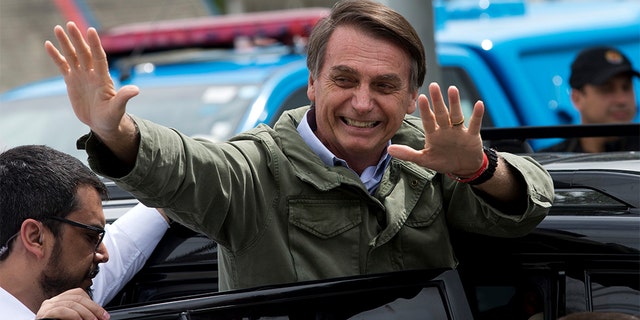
{"type": "Point", "coordinates": [213, 75]}
{"type": "Point", "coordinates": [26, 24]}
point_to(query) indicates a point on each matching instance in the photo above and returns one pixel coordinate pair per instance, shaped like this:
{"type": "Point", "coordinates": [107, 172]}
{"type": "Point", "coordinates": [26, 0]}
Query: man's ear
{"type": "Point", "coordinates": [311, 92]}
{"type": "Point", "coordinates": [413, 103]}
{"type": "Point", "coordinates": [576, 98]}
{"type": "Point", "coordinates": [32, 237]}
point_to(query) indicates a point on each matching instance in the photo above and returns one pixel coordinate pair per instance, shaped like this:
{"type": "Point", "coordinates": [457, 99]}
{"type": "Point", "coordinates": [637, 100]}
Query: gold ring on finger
{"type": "Point", "coordinates": [459, 123]}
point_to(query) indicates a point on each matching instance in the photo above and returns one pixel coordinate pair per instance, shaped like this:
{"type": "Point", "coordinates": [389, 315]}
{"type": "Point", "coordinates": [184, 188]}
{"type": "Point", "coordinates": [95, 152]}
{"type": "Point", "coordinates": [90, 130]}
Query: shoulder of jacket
{"type": "Point", "coordinates": [410, 133]}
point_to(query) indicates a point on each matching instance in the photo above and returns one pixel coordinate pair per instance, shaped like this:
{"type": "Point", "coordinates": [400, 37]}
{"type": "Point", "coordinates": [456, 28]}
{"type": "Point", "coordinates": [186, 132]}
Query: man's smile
{"type": "Point", "coordinates": [359, 124]}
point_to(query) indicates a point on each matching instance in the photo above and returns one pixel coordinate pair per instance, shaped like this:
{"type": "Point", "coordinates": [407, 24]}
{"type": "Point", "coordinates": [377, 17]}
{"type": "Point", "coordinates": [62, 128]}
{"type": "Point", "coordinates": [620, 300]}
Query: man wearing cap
{"type": "Point", "coordinates": [602, 91]}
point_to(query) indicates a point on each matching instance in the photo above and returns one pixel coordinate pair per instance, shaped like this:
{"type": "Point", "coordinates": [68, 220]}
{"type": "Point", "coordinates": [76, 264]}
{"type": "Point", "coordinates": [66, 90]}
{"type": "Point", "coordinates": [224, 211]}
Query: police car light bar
{"type": "Point", "coordinates": [215, 31]}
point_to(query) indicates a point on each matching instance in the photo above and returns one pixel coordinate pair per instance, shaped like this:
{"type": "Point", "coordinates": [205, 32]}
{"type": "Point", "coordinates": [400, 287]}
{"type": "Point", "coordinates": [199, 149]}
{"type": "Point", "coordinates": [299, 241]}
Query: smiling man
{"type": "Point", "coordinates": [351, 184]}
{"type": "Point", "coordinates": [51, 230]}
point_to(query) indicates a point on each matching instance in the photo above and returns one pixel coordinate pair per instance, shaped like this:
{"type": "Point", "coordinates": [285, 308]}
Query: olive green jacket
{"type": "Point", "coordinates": [279, 214]}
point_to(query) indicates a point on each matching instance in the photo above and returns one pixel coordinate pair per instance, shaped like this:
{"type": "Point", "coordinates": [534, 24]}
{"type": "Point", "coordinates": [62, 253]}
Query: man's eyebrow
{"type": "Point", "coordinates": [391, 77]}
{"type": "Point", "coordinates": [101, 224]}
{"type": "Point", "coordinates": [343, 68]}
{"type": "Point", "coordinates": [95, 225]}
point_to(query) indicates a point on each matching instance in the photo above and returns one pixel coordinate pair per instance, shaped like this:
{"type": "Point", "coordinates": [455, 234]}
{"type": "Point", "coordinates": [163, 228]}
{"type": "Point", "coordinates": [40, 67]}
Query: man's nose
{"type": "Point", "coordinates": [362, 100]}
{"type": "Point", "coordinates": [102, 255]}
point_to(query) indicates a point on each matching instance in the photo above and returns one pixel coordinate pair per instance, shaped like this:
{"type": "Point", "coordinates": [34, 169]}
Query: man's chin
{"type": "Point", "coordinates": [93, 272]}
{"type": "Point", "coordinates": [89, 280]}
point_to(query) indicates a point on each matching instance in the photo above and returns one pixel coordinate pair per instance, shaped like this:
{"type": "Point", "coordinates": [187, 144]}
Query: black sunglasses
{"type": "Point", "coordinates": [97, 230]}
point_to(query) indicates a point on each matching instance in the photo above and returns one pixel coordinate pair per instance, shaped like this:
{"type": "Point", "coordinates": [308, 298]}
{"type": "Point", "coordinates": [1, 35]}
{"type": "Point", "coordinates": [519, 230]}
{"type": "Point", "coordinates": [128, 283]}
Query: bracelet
{"type": "Point", "coordinates": [492, 155]}
{"type": "Point", "coordinates": [486, 171]}
{"type": "Point", "coordinates": [476, 175]}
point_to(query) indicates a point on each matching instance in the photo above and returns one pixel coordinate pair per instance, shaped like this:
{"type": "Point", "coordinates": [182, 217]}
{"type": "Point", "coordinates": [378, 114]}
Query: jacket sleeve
{"type": "Point", "coordinates": [468, 211]}
{"type": "Point", "coordinates": [197, 181]}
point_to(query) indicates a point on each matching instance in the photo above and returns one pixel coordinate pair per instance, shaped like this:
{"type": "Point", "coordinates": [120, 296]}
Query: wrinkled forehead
{"type": "Point", "coordinates": [351, 49]}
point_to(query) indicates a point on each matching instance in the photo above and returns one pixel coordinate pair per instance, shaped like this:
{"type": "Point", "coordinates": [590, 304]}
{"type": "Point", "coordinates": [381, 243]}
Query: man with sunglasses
{"type": "Point", "coordinates": [52, 229]}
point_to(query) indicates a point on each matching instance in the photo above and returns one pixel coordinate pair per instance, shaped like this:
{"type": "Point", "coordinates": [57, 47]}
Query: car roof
{"type": "Point", "coordinates": [542, 18]}
{"type": "Point", "coordinates": [226, 49]}
{"type": "Point", "coordinates": [188, 68]}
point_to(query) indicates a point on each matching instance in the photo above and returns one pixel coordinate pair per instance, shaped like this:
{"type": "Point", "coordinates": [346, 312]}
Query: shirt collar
{"type": "Point", "coordinates": [12, 308]}
{"type": "Point", "coordinates": [371, 176]}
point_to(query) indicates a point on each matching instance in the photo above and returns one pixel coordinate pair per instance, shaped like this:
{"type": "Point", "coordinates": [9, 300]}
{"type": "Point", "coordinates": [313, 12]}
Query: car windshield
{"type": "Point", "coordinates": [199, 110]}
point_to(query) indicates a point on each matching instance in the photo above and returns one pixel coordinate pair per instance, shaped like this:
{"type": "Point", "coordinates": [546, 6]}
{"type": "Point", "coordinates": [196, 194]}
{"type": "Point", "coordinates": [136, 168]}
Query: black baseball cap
{"type": "Point", "coordinates": [596, 65]}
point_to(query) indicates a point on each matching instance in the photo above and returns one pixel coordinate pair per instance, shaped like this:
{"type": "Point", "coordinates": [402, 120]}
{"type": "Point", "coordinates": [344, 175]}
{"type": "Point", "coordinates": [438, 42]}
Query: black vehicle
{"type": "Point", "coordinates": [431, 294]}
{"type": "Point", "coordinates": [584, 256]}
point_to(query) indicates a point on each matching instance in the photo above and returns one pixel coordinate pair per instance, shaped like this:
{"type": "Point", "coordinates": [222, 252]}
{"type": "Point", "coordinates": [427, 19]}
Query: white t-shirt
{"type": "Point", "coordinates": [130, 240]}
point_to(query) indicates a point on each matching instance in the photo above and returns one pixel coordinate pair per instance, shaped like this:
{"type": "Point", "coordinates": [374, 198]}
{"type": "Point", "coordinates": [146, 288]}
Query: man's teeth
{"type": "Point", "coordinates": [360, 124]}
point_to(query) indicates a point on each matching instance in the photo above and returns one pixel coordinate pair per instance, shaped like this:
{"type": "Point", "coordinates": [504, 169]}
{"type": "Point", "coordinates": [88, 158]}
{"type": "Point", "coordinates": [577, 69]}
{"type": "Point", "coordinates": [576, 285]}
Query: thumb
{"type": "Point", "coordinates": [403, 152]}
{"type": "Point", "coordinates": [125, 94]}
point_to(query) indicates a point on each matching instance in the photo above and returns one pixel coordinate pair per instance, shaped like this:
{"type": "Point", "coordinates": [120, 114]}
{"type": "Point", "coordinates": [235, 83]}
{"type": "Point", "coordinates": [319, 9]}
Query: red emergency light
{"type": "Point", "coordinates": [215, 31]}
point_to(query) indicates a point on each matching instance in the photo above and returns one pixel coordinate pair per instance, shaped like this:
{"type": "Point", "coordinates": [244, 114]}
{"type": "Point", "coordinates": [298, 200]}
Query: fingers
{"type": "Point", "coordinates": [406, 153]}
{"type": "Point", "coordinates": [66, 48]}
{"type": "Point", "coordinates": [57, 57]}
{"type": "Point", "coordinates": [81, 53]}
{"type": "Point", "coordinates": [439, 106]}
{"type": "Point", "coordinates": [456, 117]}
{"type": "Point", "coordinates": [100, 63]}
{"type": "Point", "coordinates": [453, 116]}
{"type": "Point", "coordinates": [71, 304]}
{"type": "Point", "coordinates": [124, 95]}
{"type": "Point", "coordinates": [475, 123]}
{"type": "Point", "coordinates": [428, 117]}
{"type": "Point", "coordinates": [446, 117]}
{"type": "Point", "coordinates": [75, 52]}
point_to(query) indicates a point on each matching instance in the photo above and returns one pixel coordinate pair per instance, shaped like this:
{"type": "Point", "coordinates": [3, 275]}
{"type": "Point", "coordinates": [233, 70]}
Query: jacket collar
{"type": "Point", "coordinates": [310, 168]}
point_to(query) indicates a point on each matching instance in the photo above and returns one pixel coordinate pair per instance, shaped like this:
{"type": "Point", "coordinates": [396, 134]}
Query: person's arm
{"type": "Point", "coordinates": [506, 189]}
{"type": "Point", "coordinates": [92, 93]}
{"type": "Point", "coordinates": [72, 304]}
{"type": "Point", "coordinates": [454, 149]}
{"type": "Point", "coordinates": [130, 240]}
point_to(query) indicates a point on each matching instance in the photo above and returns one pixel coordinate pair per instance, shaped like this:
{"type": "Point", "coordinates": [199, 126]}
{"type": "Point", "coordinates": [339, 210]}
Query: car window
{"type": "Point", "coordinates": [419, 301]}
{"type": "Point", "coordinates": [587, 201]}
{"type": "Point", "coordinates": [468, 92]}
{"type": "Point", "coordinates": [547, 73]}
{"type": "Point", "coordinates": [48, 121]}
{"type": "Point", "coordinates": [410, 294]}
{"type": "Point", "coordinates": [196, 110]}
{"type": "Point", "coordinates": [426, 304]}
{"type": "Point", "coordinates": [615, 291]}
{"type": "Point", "coordinates": [296, 99]}
{"type": "Point", "coordinates": [183, 263]}
{"type": "Point", "coordinates": [508, 294]}
{"type": "Point", "coordinates": [210, 111]}
{"type": "Point", "coordinates": [603, 291]}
